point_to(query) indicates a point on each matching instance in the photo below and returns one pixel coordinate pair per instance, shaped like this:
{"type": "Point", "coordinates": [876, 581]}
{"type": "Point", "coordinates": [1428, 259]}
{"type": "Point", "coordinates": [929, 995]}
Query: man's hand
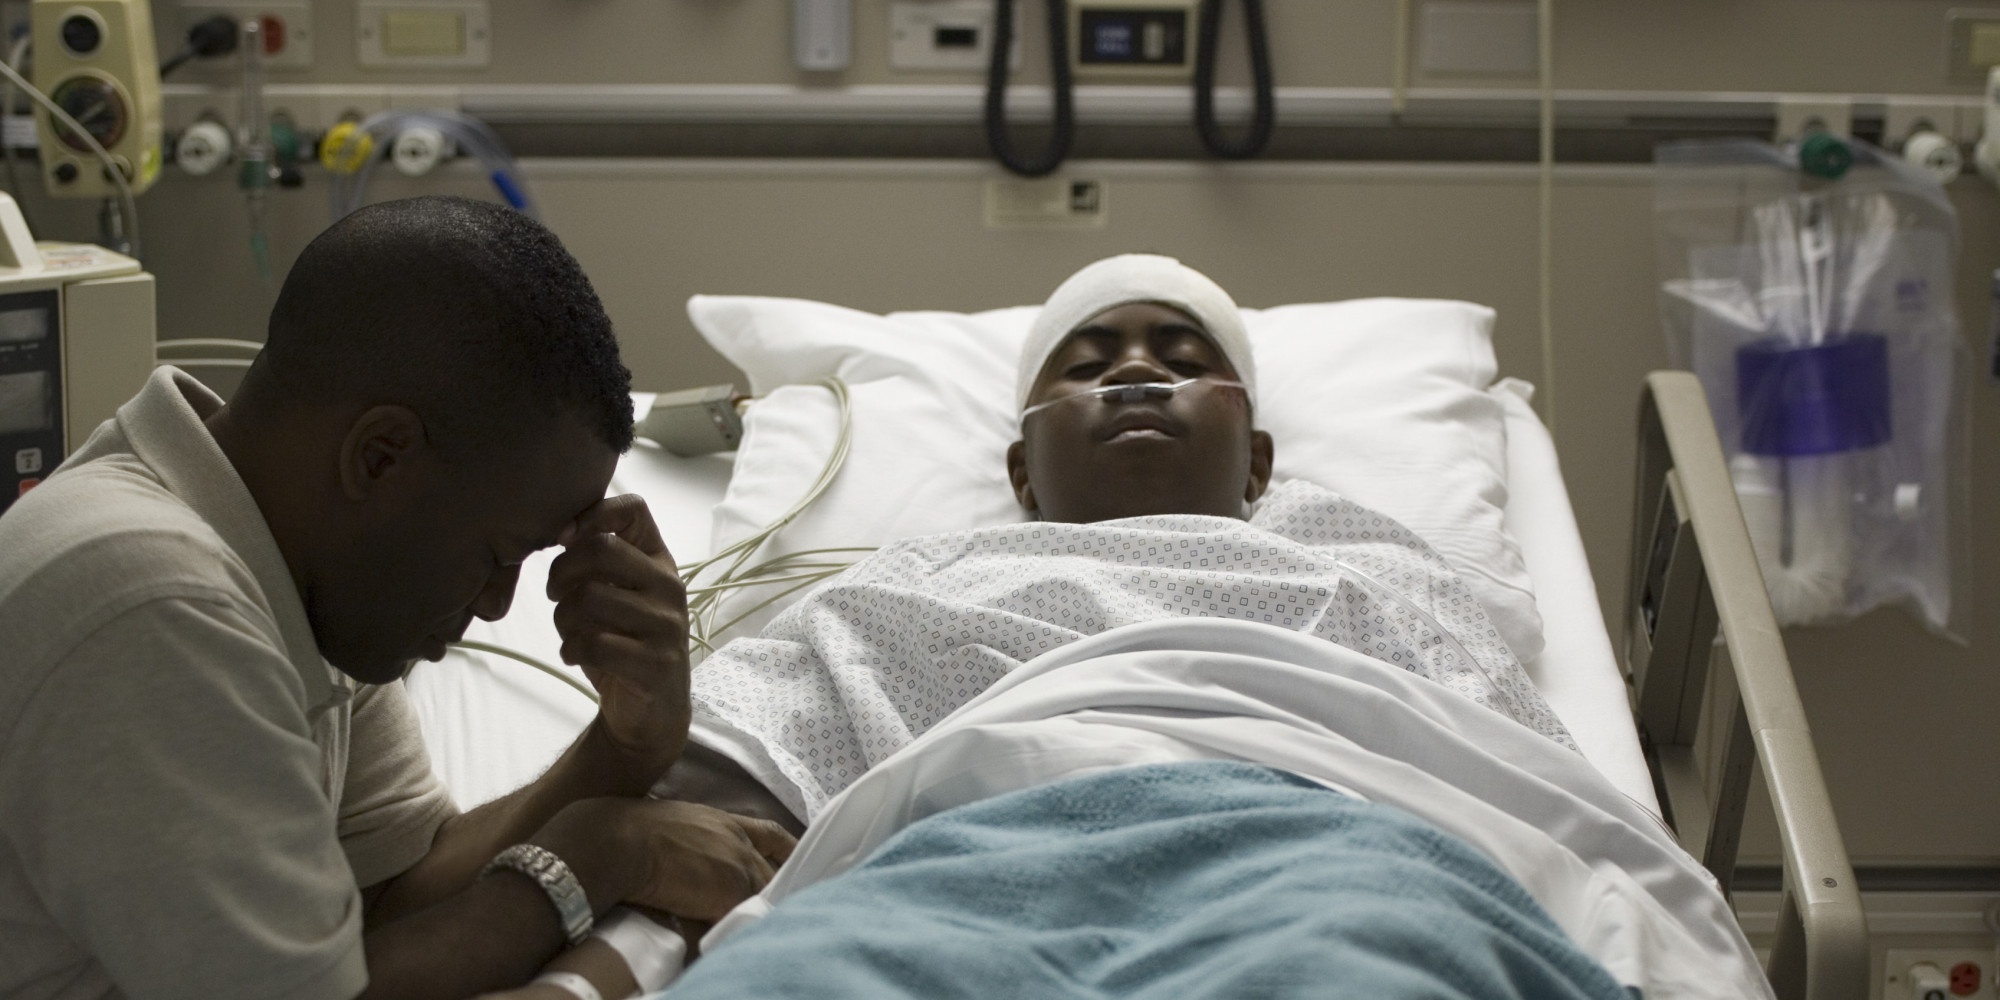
{"type": "Point", "coordinates": [705, 861]}
{"type": "Point", "coordinates": [684, 859]}
{"type": "Point", "coordinates": [622, 612]}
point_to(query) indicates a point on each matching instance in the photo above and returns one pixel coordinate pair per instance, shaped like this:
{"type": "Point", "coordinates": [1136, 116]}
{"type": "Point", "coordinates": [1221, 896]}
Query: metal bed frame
{"type": "Point", "coordinates": [1693, 574]}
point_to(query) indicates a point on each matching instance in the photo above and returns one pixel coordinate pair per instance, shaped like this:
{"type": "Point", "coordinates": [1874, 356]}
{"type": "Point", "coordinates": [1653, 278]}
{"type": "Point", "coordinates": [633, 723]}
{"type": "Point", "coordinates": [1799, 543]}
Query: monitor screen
{"type": "Point", "coordinates": [26, 402]}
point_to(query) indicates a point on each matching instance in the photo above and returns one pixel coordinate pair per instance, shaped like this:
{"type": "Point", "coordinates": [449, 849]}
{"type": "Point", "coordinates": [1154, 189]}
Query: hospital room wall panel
{"type": "Point", "coordinates": [1837, 46]}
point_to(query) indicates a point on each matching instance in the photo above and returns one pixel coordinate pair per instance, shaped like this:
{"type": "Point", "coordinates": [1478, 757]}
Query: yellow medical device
{"type": "Point", "coordinates": [76, 341]}
{"type": "Point", "coordinates": [95, 60]}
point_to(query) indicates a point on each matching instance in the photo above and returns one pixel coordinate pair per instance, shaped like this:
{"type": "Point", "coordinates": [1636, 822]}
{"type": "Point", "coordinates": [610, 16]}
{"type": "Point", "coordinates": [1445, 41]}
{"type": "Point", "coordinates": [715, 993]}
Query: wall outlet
{"type": "Point", "coordinates": [946, 35]}
{"type": "Point", "coordinates": [288, 27]}
{"type": "Point", "coordinates": [1938, 974]}
{"type": "Point", "coordinates": [1046, 203]}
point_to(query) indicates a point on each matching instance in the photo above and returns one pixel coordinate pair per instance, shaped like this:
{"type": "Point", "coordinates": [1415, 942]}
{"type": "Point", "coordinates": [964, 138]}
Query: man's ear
{"type": "Point", "coordinates": [1261, 451]}
{"type": "Point", "coordinates": [383, 445]}
{"type": "Point", "coordinates": [1017, 473]}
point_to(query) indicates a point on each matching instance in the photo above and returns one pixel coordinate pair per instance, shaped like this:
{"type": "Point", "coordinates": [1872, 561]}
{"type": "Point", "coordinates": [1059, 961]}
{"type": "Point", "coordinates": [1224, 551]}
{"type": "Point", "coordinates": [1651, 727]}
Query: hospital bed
{"type": "Point", "coordinates": [1685, 754]}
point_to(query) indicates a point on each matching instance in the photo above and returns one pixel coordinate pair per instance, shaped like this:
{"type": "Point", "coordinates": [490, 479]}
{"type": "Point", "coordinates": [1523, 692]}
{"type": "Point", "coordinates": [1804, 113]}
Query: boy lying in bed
{"type": "Point", "coordinates": [864, 664]}
{"type": "Point", "coordinates": [1106, 753]}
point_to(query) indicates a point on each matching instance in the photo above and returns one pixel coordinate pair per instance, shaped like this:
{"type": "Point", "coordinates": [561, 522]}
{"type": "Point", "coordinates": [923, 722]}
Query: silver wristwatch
{"type": "Point", "coordinates": [555, 878]}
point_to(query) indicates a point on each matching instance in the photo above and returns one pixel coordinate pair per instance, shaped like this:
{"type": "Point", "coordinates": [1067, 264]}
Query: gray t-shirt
{"type": "Point", "coordinates": [190, 796]}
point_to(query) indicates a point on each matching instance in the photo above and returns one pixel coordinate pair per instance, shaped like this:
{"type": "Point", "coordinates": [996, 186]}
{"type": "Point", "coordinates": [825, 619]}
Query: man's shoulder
{"type": "Point", "coordinates": [100, 539]}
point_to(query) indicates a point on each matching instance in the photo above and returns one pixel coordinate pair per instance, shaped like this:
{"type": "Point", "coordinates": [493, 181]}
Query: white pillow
{"type": "Point", "coordinates": [1381, 400]}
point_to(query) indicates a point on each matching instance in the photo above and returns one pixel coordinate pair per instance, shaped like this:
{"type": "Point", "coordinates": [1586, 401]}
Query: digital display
{"type": "Point", "coordinates": [26, 400]}
{"type": "Point", "coordinates": [22, 326]}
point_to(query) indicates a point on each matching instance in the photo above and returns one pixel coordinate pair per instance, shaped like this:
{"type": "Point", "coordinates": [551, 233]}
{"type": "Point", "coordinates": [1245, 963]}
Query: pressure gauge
{"type": "Point", "coordinates": [96, 105]}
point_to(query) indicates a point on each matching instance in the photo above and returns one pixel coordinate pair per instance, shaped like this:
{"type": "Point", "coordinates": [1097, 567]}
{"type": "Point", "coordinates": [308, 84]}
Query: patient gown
{"type": "Point", "coordinates": [875, 657]}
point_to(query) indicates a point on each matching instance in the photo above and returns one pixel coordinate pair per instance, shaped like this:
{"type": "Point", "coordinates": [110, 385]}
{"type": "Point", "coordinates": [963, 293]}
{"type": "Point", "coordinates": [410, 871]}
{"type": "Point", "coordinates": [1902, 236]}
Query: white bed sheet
{"type": "Point", "coordinates": [492, 724]}
{"type": "Point", "coordinates": [1578, 670]}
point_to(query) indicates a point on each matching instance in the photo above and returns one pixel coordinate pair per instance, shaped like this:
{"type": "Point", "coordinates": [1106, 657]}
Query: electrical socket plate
{"type": "Point", "coordinates": [945, 35]}
{"type": "Point", "coordinates": [291, 19]}
{"type": "Point", "coordinates": [1896, 983]}
{"type": "Point", "coordinates": [1046, 203]}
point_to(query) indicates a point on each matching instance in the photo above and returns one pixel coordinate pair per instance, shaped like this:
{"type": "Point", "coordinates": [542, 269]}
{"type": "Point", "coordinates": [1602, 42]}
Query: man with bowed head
{"type": "Point", "coordinates": [210, 783]}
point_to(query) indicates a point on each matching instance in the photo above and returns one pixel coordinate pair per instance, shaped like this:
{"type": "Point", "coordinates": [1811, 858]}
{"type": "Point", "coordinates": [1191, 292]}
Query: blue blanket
{"type": "Point", "coordinates": [1207, 879]}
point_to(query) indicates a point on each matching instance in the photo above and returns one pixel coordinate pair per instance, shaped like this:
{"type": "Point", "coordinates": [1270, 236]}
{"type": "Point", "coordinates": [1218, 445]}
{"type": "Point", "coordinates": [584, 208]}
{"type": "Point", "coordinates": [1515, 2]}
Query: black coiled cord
{"type": "Point", "coordinates": [997, 138]}
{"type": "Point", "coordinates": [1264, 115]}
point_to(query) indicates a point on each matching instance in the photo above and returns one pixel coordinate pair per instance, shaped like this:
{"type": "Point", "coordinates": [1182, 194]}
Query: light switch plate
{"type": "Point", "coordinates": [1972, 44]}
{"type": "Point", "coordinates": [1485, 39]}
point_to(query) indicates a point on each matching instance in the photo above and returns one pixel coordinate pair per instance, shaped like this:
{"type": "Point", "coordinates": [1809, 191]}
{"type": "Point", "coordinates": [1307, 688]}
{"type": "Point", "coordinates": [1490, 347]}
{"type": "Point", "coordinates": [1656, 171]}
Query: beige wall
{"type": "Point", "coordinates": [1908, 724]}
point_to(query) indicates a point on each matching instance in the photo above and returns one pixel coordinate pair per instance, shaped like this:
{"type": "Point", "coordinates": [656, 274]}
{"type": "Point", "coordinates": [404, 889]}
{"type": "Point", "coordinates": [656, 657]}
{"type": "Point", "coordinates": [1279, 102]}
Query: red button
{"type": "Point", "coordinates": [26, 485]}
{"type": "Point", "coordinates": [273, 31]}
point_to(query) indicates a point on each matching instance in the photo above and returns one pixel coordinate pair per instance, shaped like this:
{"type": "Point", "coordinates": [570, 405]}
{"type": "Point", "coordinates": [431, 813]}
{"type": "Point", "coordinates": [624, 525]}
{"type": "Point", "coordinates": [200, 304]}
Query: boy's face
{"type": "Point", "coordinates": [1089, 458]}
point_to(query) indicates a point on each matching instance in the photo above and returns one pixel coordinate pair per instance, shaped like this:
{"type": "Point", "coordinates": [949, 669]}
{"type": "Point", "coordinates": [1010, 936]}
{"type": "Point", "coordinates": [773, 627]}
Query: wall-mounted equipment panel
{"type": "Point", "coordinates": [95, 60]}
{"type": "Point", "coordinates": [1133, 39]}
{"type": "Point", "coordinates": [286, 27]}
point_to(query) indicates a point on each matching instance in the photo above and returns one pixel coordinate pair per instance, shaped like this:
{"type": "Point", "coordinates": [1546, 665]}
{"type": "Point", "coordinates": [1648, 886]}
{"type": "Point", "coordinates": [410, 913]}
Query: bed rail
{"type": "Point", "coordinates": [1694, 575]}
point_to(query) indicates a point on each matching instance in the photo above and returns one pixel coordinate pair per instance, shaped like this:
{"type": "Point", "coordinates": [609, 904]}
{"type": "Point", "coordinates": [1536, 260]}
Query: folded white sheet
{"type": "Point", "coordinates": [1603, 867]}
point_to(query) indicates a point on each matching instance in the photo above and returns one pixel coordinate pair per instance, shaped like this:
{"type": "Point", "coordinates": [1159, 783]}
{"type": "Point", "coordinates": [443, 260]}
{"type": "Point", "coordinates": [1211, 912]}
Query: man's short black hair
{"type": "Point", "coordinates": [468, 312]}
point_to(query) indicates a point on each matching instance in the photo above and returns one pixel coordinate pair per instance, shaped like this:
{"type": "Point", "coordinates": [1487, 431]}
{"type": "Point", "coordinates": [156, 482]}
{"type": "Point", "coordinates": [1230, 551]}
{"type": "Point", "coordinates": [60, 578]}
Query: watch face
{"type": "Point", "coordinates": [96, 105]}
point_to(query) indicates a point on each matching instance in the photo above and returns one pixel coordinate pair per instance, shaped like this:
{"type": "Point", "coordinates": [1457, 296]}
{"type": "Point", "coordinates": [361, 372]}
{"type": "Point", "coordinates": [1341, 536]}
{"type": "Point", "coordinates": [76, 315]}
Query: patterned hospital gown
{"type": "Point", "coordinates": [873, 658]}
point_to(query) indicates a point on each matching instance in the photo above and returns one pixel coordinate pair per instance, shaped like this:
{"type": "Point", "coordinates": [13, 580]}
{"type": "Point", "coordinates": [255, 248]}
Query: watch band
{"type": "Point", "coordinates": [569, 982]}
{"type": "Point", "coordinates": [555, 878]}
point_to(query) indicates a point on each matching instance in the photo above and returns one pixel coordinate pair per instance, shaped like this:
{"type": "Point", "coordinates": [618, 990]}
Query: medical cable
{"type": "Point", "coordinates": [734, 557]}
{"type": "Point", "coordinates": [1134, 392]}
{"type": "Point", "coordinates": [128, 209]}
{"type": "Point", "coordinates": [1399, 62]}
{"type": "Point", "coordinates": [1545, 185]}
{"type": "Point", "coordinates": [16, 54]}
{"type": "Point", "coordinates": [799, 569]}
{"type": "Point", "coordinates": [204, 363]}
{"type": "Point", "coordinates": [211, 37]}
{"type": "Point", "coordinates": [348, 154]}
{"type": "Point", "coordinates": [1514, 709]}
{"type": "Point", "coordinates": [253, 150]}
{"type": "Point", "coordinates": [222, 343]}
{"type": "Point", "coordinates": [1061, 91]}
{"type": "Point", "coordinates": [1263, 116]}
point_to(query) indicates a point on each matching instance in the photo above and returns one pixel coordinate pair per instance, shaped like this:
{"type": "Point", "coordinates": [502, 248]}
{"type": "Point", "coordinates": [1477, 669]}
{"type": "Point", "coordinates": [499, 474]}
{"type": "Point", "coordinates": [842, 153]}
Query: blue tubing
{"type": "Point", "coordinates": [510, 191]}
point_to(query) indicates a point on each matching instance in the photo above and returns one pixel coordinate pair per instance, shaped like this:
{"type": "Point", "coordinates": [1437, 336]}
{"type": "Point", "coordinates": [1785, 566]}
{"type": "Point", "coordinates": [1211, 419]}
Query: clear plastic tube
{"type": "Point", "coordinates": [471, 135]}
{"type": "Point", "coordinates": [1134, 392]}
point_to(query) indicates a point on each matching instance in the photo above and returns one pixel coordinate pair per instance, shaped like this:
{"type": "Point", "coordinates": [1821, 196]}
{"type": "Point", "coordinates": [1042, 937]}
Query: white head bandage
{"type": "Point", "coordinates": [1125, 279]}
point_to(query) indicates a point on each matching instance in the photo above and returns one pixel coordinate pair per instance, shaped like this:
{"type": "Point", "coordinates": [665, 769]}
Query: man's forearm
{"type": "Point", "coordinates": [590, 768]}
